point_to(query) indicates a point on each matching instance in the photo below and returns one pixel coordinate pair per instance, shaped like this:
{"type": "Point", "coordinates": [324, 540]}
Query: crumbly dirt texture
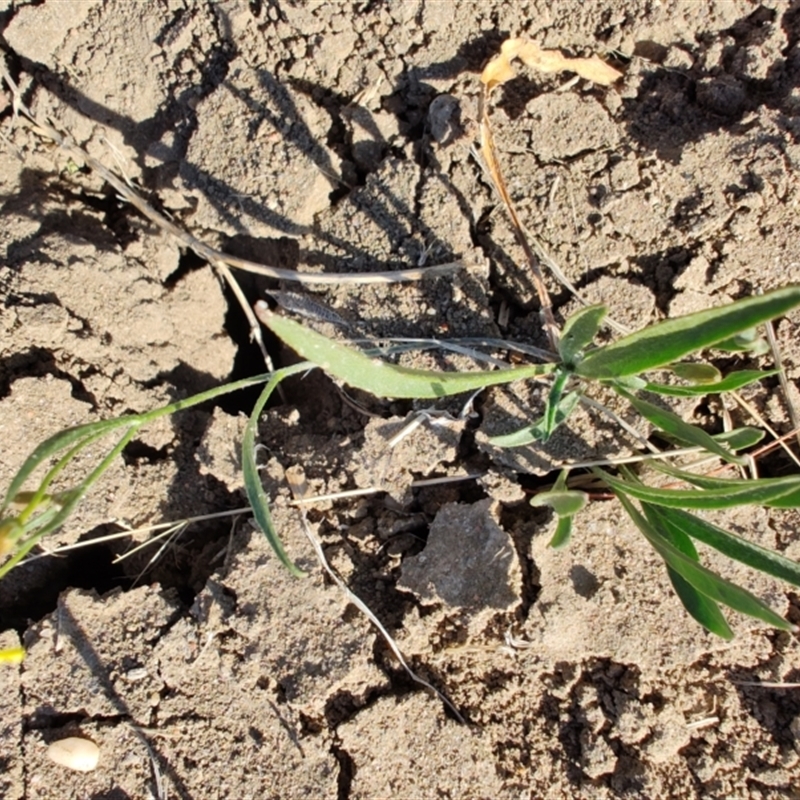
{"type": "Point", "coordinates": [333, 136]}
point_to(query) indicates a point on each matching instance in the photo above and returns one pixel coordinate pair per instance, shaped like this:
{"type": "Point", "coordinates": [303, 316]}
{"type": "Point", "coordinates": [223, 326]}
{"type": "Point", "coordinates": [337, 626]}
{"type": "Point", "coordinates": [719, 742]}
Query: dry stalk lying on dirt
{"type": "Point", "coordinates": [219, 261]}
{"type": "Point", "coordinates": [497, 72]}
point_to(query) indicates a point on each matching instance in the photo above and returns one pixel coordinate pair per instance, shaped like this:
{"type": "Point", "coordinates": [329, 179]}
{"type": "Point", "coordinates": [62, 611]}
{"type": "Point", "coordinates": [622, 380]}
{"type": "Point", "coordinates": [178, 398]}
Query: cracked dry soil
{"type": "Point", "coordinates": [334, 136]}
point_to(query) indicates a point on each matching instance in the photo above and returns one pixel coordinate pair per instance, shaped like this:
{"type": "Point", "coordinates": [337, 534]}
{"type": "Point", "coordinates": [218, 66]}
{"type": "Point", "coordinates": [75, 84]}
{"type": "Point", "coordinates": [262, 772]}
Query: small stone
{"type": "Point", "coordinates": [469, 561]}
{"type": "Point", "coordinates": [443, 118]}
{"type": "Point", "coordinates": [679, 59]}
{"type": "Point", "coordinates": [80, 755]}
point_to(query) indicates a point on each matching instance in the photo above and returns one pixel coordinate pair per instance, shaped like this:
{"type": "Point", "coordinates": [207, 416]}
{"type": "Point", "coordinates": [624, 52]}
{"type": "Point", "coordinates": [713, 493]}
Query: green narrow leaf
{"type": "Point", "coordinates": [55, 516]}
{"type": "Point", "coordinates": [787, 499]}
{"type": "Point", "coordinates": [43, 513]}
{"type": "Point", "coordinates": [566, 503]}
{"type": "Point", "coordinates": [672, 424]}
{"type": "Point", "coordinates": [673, 339]}
{"type": "Point", "coordinates": [762, 492]}
{"type": "Point", "coordinates": [631, 382]}
{"type": "Point", "coordinates": [702, 608]}
{"type": "Point", "coordinates": [740, 438]}
{"type": "Point", "coordinates": [553, 404]}
{"type": "Point", "coordinates": [579, 330]}
{"type": "Point", "coordinates": [538, 432]}
{"type": "Point", "coordinates": [69, 437]}
{"type": "Point", "coordinates": [729, 544]}
{"type": "Point", "coordinates": [256, 495]}
{"type": "Point", "coordinates": [380, 377]}
{"type": "Point", "coordinates": [702, 579]}
{"type": "Point", "coordinates": [732, 382]}
{"type": "Point", "coordinates": [561, 481]}
{"type": "Point", "coordinates": [72, 436]}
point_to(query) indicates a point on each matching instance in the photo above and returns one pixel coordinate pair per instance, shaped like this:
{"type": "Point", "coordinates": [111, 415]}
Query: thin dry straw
{"type": "Point", "coordinates": [203, 250]}
{"type": "Point", "coordinates": [296, 484]}
{"type": "Point", "coordinates": [219, 261]}
{"type": "Point", "coordinates": [787, 396]}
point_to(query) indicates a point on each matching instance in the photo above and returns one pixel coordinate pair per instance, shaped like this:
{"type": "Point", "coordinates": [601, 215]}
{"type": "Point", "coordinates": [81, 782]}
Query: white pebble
{"type": "Point", "coordinates": [81, 755]}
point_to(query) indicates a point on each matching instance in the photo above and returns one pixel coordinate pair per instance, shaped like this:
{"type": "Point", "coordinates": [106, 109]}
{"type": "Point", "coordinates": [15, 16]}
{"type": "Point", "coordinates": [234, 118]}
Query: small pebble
{"type": "Point", "coordinates": [81, 755]}
{"type": "Point", "coordinates": [136, 674]}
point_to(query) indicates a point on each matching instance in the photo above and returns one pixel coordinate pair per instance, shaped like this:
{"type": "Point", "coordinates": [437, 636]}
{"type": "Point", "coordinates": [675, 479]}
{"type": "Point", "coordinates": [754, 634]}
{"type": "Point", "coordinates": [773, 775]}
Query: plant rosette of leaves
{"type": "Point", "coordinates": [664, 516]}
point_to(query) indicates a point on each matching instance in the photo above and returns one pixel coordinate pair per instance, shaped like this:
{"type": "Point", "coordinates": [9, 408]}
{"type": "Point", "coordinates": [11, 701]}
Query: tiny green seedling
{"type": "Point", "coordinates": [26, 517]}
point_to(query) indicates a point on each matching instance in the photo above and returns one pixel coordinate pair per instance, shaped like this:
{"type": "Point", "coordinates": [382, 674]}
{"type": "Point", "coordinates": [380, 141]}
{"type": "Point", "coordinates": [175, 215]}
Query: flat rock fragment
{"type": "Point", "coordinates": [469, 561]}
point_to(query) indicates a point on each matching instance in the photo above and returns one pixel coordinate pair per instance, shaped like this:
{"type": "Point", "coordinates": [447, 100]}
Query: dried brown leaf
{"type": "Point", "coordinates": [499, 69]}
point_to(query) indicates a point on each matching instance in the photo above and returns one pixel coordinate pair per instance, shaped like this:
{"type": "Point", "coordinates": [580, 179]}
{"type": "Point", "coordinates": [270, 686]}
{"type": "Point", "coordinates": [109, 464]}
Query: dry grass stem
{"type": "Point", "coordinates": [165, 527]}
{"type": "Point", "coordinates": [779, 440]}
{"type": "Point", "coordinates": [489, 153]}
{"type": "Point", "coordinates": [768, 684]}
{"type": "Point", "coordinates": [497, 72]}
{"type": "Point", "coordinates": [296, 480]}
{"type": "Point", "coordinates": [613, 462]}
{"type": "Point", "coordinates": [794, 416]}
{"type": "Point", "coordinates": [621, 422]}
{"type": "Point", "coordinates": [203, 250]}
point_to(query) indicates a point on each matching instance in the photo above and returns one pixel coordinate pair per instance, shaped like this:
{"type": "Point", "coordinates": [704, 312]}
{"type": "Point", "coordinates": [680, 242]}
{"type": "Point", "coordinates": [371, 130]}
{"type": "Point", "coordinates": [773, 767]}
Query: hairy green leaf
{"type": "Point", "coordinates": [705, 581]}
{"type": "Point", "coordinates": [753, 555]}
{"type": "Point", "coordinates": [745, 342]}
{"type": "Point", "coordinates": [256, 495]}
{"type": "Point", "coordinates": [563, 533]}
{"type": "Point", "coordinates": [53, 517]}
{"type": "Point", "coordinates": [579, 330]}
{"type": "Point", "coordinates": [565, 502]}
{"type": "Point", "coordinates": [541, 430]}
{"type": "Point", "coordinates": [49, 448]}
{"type": "Point", "coordinates": [762, 492]}
{"type": "Point", "coordinates": [732, 382]}
{"type": "Point", "coordinates": [702, 608]}
{"type": "Point", "coordinates": [790, 498]}
{"type": "Point", "coordinates": [554, 413]}
{"type": "Point", "coordinates": [380, 377]}
{"type": "Point", "coordinates": [44, 513]}
{"type": "Point", "coordinates": [81, 435]}
{"type": "Point", "coordinates": [673, 339]}
{"type": "Point", "coordinates": [740, 438]}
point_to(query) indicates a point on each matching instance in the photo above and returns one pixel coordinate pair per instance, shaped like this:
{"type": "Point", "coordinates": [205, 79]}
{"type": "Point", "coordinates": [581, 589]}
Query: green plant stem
{"type": "Point", "coordinates": [75, 496]}
{"type": "Point", "coordinates": [252, 480]}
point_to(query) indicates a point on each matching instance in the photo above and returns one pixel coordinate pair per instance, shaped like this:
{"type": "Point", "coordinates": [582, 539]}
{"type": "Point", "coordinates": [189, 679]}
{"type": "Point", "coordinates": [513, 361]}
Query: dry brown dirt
{"type": "Point", "coordinates": [335, 136]}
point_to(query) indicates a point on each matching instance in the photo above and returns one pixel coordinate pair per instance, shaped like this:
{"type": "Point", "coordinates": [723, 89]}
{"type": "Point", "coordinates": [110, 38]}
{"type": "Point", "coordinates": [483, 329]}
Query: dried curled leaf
{"type": "Point", "coordinates": [499, 69]}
